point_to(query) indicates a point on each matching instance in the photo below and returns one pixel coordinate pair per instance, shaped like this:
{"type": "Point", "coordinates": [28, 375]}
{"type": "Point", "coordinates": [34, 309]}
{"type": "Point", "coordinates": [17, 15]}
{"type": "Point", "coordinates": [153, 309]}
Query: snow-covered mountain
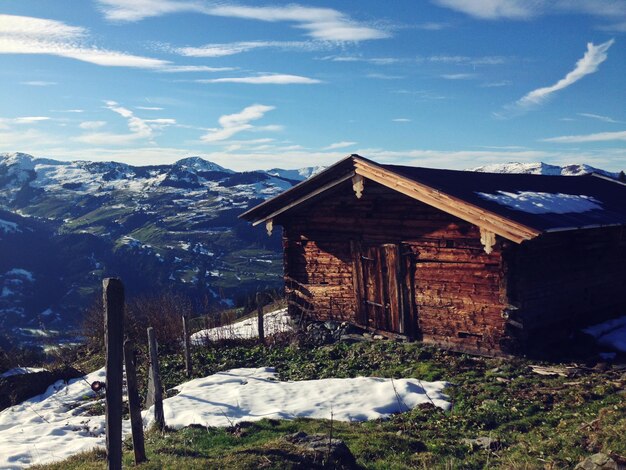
{"type": "Point", "coordinates": [541, 168]}
{"type": "Point", "coordinates": [66, 225]}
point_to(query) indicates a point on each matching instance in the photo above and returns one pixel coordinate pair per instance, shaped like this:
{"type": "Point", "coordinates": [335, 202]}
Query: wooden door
{"type": "Point", "coordinates": [379, 287]}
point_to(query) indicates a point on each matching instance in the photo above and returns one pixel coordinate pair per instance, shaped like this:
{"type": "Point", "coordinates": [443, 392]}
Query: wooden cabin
{"type": "Point", "coordinates": [486, 263]}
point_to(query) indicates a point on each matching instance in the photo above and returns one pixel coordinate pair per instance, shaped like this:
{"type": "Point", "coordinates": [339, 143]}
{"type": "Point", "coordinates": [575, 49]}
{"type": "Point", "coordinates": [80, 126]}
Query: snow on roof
{"type": "Point", "coordinates": [55, 425]}
{"type": "Point", "coordinates": [535, 202]}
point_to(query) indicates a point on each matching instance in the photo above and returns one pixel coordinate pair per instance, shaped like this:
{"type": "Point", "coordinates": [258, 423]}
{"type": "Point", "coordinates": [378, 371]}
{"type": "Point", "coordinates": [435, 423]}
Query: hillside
{"type": "Point", "coordinates": [503, 415]}
{"type": "Point", "coordinates": [66, 225]}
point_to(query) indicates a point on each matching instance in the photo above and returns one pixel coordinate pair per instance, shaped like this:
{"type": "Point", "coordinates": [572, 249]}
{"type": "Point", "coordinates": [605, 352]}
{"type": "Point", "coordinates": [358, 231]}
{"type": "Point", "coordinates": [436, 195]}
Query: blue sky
{"type": "Point", "coordinates": [249, 85]}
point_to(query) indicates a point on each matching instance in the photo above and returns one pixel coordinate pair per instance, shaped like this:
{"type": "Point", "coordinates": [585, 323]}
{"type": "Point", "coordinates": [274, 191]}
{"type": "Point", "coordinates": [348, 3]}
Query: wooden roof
{"type": "Point", "coordinates": [469, 196]}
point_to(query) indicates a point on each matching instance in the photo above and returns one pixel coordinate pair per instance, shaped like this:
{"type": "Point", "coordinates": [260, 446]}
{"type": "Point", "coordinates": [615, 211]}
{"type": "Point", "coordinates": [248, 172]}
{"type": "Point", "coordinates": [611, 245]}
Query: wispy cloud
{"type": "Point", "coordinates": [458, 76]}
{"type": "Point", "coordinates": [525, 9]}
{"type": "Point", "coordinates": [38, 83]}
{"type": "Point", "coordinates": [598, 117]}
{"type": "Point", "coordinates": [222, 50]}
{"type": "Point", "coordinates": [193, 68]}
{"type": "Point", "coordinates": [368, 60]}
{"type": "Point", "coordinates": [90, 125]}
{"type": "Point", "coordinates": [324, 24]}
{"type": "Point", "coordinates": [598, 137]}
{"type": "Point", "coordinates": [384, 76]}
{"type": "Point", "coordinates": [269, 79]}
{"type": "Point", "coordinates": [23, 120]}
{"type": "Point", "coordinates": [28, 35]}
{"type": "Point", "coordinates": [494, 9]}
{"type": "Point", "coordinates": [588, 64]}
{"type": "Point", "coordinates": [422, 95]}
{"type": "Point", "coordinates": [149, 108]}
{"type": "Point", "coordinates": [401, 120]}
{"type": "Point", "coordinates": [432, 26]}
{"type": "Point", "coordinates": [435, 59]}
{"type": "Point", "coordinates": [231, 124]}
{"type": "Point", "coordinates": [140, 129]}
{"type": "Point", "coordinates": [497, 84]}
{"type": "Point", "coordinates": [340, 145]}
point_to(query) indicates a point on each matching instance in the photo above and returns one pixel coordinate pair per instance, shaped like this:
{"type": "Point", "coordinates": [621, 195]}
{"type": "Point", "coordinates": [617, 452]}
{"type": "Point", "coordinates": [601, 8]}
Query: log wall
{"type": "Point", "coordinates": [457, 292]}
{"type": "Point", "coordinates": [564, 280]}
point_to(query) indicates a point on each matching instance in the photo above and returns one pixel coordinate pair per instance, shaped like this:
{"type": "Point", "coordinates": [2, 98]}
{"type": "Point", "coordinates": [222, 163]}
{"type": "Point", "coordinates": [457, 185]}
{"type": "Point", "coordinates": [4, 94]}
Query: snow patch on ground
{"type": "Point", "coordinates": [252, 394]}
{"type": "Point", "coordinates": [23, 273]}
{"type": "Point", "coordinates": [20, 371]}
{"type": "Point", "coordinates": [55, 425]}
{"type": "Point", "coordinates": [610, 334]}
{"type": "Point", "coordinates": [8, 227]}
{"type": "Point", "coordinates": [544, 203]}
{"type": "Point", "coordinates": [273, 322]}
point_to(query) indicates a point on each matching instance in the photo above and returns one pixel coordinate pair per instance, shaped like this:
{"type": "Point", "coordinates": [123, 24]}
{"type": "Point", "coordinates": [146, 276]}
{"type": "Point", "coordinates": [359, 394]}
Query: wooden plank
{"type": "Point", "coordinates": [156, 391]}
{"type": "Point", "coordinates": [134, 405]}
{"type": "Point", "coordinates": [113, 301]}
{"type": "Point", "coordinates": [186, 347]}
{"type": "Point", "coordinates": [394, 290]}
{"type": "Point", "coordinates": [357, 281]}
{"type": "Point", "coordinates": [259, 315]}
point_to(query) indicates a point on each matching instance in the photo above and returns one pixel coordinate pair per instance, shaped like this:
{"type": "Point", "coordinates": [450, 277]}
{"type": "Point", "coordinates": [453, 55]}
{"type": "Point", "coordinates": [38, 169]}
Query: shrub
{"type": "Point", "coordinates": [162, 312]}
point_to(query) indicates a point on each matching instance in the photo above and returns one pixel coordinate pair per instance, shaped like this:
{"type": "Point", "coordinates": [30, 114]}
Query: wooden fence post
{"type": "Point", "coordinates": [113, 301]}
{"type": "Point", "coordinates": [187, 346]}
{"type": "Point", "coordinates": [155, 390]}
{"type": "Point", "coordinates": [136, 423]}
{"type": "Point", "coordinates": [259, 312]}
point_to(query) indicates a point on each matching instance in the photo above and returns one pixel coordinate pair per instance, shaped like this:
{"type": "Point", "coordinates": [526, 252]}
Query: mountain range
{"type": "Point", "coordinates": [64, 226]}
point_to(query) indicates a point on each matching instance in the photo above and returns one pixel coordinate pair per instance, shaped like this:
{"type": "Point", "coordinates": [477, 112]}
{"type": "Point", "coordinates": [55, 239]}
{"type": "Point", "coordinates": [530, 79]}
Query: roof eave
{"type": "Point", "coordinates": [483, 218]}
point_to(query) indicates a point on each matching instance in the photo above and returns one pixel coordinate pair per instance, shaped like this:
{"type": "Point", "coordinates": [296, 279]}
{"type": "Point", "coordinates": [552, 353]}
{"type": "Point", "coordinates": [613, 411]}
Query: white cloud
{"type": "Point", "coordinates": [30, 119]}
{"type": "Point", "coordinates": [222, 50]}
{"type": "Point", "coordinates": [232, 124]}
{"type": "Point", "coordinates": [496, 84]}
{"type": "Point", "coordinates": [525, 9]}
{"type": "Point", "coordinates": [270, 79]}
{"type": "Point", "coordinates": [432, 26]}
{"type": "Point", "coordinates": [340, 145]}
{"type": "Point", "coordinates": [598, 137]}
{"type": "Point", "coordinates": [194, 68]}
{"type": "Point", "coordinates": [458, 76]}
{"type": "Point", "coordinates": [139, 128]}
{"type": "Point", "coordinates": [28, 35]}
{"type": "Point", "coordinates": [324, 24]}
{"type": "Point", "coordinates": [588, 64]}
{"type": "Point", "coordinates": [369, 60]}
{"type": "Point", "coordinates": [600, 118]}
{"type": "Point", "coordinates": [493, 9]}
{"type": "Point", "coordinates": [401, 120]}
{"type": "Point", "coordinates": [149, 108]}
{"type": "Point", "coordinates": [38, 83]}
{"type": "Point", "coordinates": [6, 123]}
{"type": "Point", "coordinates": [90, 125]}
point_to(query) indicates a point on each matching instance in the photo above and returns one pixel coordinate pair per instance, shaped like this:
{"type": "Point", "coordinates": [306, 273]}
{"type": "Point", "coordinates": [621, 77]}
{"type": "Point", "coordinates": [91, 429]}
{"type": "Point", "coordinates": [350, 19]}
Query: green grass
{"type": "Point", "coordinates": [539, 421]}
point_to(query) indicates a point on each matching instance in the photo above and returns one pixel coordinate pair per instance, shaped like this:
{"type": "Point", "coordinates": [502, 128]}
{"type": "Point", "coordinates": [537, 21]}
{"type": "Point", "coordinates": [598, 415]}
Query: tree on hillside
{"type": "Point", "coordinates": [622, 176]}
